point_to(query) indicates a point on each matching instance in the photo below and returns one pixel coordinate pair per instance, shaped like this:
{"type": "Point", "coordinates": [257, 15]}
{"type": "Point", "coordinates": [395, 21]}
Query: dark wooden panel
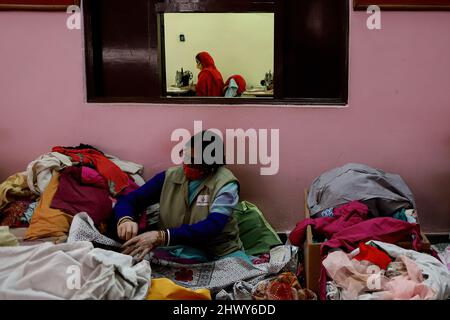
{"type": "Point", "coordinates": [403, 4]}
{"type": "Point", "coordinates": [92, 49]}
{"type": "Point", "coordinates": [124, 56]}
{"type": "Point", "coordinates": [216, 6]}
{"type": "Point", "coordinates": [315, 49]}
{"type": "Point", "coordinates": [43, 5]}
{"type": "Point", "coordinates": [125, 48]}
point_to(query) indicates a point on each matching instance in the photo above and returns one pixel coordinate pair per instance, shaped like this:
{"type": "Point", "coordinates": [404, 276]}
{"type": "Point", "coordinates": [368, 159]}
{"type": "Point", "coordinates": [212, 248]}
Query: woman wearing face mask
{"type": "Point", "coordinates": [196, 205]}
{"type": "Point", "coordinates": [210, 81]}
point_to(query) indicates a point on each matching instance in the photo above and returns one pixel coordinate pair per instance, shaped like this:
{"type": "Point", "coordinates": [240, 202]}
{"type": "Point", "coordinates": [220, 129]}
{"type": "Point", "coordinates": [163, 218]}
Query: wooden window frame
{"type": "Point", "coordinates": [174, 6]}
{"type": "Point", "coordinates": [413, 5]}
{"type": "Point", "coordinates": [38, 5]}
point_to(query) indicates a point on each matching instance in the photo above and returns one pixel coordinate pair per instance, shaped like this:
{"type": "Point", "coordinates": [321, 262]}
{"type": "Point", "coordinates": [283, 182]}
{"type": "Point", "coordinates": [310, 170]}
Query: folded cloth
{"type": "Point", "coordinates": [71, 271]}
{"type": "Point", "coordinates": [7, 239]}
{"type": "Point", "coordinates": [39, 171]}
{"type": "Point", "coordinates": [15, 188]}
{"type": "Point", "coordinates": [116, 178]}
{"type": "Point", "coordinates": [165, 289]}
{"type": "Point", "coordinates": [73, 197]}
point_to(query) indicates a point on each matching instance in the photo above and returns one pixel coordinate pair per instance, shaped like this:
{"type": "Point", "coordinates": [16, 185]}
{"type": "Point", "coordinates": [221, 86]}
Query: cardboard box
{"type": "Point", "coordinates": [313, 260]}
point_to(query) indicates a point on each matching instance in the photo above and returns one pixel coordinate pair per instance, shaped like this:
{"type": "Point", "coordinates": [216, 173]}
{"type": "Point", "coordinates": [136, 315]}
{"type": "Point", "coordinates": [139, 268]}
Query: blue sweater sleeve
{"type": "Point", "coordinates": [202, 231]}
{"type": "Point", "coordinates": [135, 202]}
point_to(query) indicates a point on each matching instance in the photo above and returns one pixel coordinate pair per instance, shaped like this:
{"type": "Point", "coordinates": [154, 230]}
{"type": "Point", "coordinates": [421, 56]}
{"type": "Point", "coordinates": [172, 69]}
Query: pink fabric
{"type": "Point", "coordinates": [73, 196]}
{"type": "Point", "coordinates": [344, 216]}
{"type": "Point", "coordinates": [408, 286]}
{"type": "Point", "coordinates": [91, 177]}
{"type": "Point", "coordinates": [351, 275]}
{"type": "Point", "coordinates": [384, 229]}
{"type": "Point", "coordinates": [352, 226]}
{"type": "Point", "coordinates": [356, 278]}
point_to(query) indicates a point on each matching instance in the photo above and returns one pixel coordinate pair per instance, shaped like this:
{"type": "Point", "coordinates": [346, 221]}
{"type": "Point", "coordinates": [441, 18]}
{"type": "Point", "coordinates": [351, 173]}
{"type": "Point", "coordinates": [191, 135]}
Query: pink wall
{"type": "Point", "coordinates": [397, 119]}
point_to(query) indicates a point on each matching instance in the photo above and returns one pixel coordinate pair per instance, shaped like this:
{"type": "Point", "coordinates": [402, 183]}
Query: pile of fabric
{"type": "Point", "coordinates": [58, 239]}
{"type": "Point", "coordinates": [62, 183]}
{"type": "Point", "coordinates": [283, 287]}
{"type": "Point", "coordinates": [443, 252]}
{"type": "Point", "coordinates": [188, 272]}
{"type": "Point", "coordinates": [39, 263]}
{"type": "Point", "coordinates": [383, 271]}
{"type": "Point", "coordinates": [352, 205]}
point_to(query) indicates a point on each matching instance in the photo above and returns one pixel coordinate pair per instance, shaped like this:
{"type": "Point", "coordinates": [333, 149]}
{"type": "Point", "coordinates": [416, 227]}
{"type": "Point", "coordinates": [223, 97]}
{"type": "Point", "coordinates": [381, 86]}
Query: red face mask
{"type": "Point", "coordinates": [193, 173]}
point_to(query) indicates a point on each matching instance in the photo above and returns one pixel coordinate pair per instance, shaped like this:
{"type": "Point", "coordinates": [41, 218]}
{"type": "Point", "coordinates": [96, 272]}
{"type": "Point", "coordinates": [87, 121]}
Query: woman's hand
{"type": "Point", "coordinates": [141, 245]}
{"type": "Point", "coordinates": [127, 229]}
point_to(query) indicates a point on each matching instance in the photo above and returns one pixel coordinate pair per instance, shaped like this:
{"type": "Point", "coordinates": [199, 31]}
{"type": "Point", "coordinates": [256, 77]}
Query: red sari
{"type": "Point", "coordinates": [210, 81]}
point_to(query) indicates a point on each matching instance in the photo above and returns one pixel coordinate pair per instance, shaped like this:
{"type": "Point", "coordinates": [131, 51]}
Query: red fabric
{"type": "Point", "coordinates": [374, 255]}
{"type": "Point", "coordinates": [184, 274]}
{"type": "Point", "coordinates": [210, 81]}
{"type": "Point", "coordinates": [384, 229]}
{"type": "Point", "coordinates": [242, 85]}
{"type": "Point", "coordinates": [351, 227]}
{"type": "Point", "coordinates": [193, 173]}
{"type": "Point", "coordinates": [73, 197]}
{"type": "Point", "coordinates": [116, 178]}
{"type": "Point", "coordinates": [344, 216]}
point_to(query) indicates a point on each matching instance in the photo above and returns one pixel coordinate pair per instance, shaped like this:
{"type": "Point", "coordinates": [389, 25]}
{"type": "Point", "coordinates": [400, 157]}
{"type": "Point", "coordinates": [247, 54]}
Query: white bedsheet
{"type": "Point", "coordinates": [70, 271]}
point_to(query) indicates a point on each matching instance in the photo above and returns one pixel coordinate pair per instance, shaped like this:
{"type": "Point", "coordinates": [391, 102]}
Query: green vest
{"type": "Point", "coordinates": [175, 209]}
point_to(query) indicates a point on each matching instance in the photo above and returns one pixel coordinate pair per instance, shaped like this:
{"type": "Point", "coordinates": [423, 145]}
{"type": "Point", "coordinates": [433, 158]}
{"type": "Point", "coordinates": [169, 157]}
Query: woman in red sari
{"type": "Point", "coordinates": [210, 81]}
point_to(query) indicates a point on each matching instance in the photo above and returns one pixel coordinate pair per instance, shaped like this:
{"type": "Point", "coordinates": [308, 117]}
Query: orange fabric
{"type": "Point", "coordinates": [48, 222]}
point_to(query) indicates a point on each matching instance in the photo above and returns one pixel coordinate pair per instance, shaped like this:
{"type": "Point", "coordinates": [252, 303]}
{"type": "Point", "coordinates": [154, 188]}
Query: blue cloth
{"type": "Point", "coordinates": [192, 189]}
{"type": "Point", "coordinates": [199, 233]}
{"type": "Point", "coordinates": [239, 254]}
{"type": "Point", "coordinates": [327, 213]}
{"type": "Point", "coordinates": [186, 252]}
{"type": "Point", "coordinates": [226, 199]}
{"type": "Point", "coordinates": [26, 218]}
{"type": "Point", "coordinates": [232, 89]}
